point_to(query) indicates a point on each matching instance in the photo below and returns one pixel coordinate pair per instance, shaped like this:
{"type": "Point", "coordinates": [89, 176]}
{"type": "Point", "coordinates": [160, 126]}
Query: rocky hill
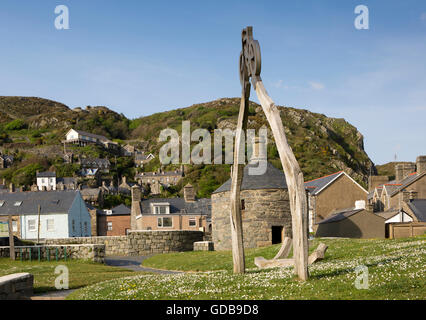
{"type": "Point", "coordinates": [322, 145]}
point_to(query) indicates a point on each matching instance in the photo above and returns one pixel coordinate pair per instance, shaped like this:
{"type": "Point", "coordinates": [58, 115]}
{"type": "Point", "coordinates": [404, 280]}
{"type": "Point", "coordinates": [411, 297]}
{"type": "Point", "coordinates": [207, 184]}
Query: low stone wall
{"type": "Point", "coordinates": [16, 286]}
{"type": "Point", "coordinates": [140, 242]}
{"type": "Point", "coordinates": [93, 252]}
{"type": "Point", "coordinates": [203, 246]}
{"type": "Point", "coordinates": [155, 241]}
{"type": "Point", "coordinates": [114, 245]}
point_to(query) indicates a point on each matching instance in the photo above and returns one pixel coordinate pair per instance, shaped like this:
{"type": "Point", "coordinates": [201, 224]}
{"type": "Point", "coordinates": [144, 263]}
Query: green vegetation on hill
{"type": "Point", "coordinates": [35, 127]}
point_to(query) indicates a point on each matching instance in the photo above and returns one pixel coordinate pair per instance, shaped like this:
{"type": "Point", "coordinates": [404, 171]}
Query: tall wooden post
{"type": "Point", "coordinates": [237, 177]}
{"type": "Point", "coordinates": [11, 239]}
{"type": "Point", "coordinates": [250, 67]}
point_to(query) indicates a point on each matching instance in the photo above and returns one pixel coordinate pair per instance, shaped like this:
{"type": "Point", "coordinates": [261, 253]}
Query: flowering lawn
{"type": "Point", "coordinates": [396, 270]}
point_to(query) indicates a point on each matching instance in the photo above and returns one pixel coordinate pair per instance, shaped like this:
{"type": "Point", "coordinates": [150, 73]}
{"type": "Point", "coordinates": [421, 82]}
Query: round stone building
{"type": "Point", "coordinates": [265, 209]}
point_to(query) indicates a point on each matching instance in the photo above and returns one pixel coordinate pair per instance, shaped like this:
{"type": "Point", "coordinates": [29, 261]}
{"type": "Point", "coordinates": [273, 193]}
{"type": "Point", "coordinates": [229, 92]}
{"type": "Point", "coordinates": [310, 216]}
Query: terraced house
{"type": "Point", "coordinates": [187, 213]}
{"type": "Point", "coordinates": [401, 201]}
{"type": "Point", "coordinates": [46, 215]}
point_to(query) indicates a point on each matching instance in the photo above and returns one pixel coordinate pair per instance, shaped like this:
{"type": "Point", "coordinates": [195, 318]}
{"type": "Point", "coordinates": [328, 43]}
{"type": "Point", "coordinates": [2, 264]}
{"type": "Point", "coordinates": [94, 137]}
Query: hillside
{"type": "Point", "coordinates": [31, 129]}
{"type": "Point", "coordinates": [388, 169]}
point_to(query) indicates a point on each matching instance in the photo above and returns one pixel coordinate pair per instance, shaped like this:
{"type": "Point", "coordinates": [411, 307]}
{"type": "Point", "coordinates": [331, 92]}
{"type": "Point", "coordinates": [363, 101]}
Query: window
{"type": "Point", "coordinates": [31, 225]}
{"type": "Point", "coordinates": [243, 204]}
{"type": "Point", "coordinates": [109, 226]}
{"type": "Point", "coordinates": [15, 226]}
{"type": "Point", "coordinates": [73, 226]}
{"type": "Point", "coordinates": [50, 223]}
{"type": "Point", "coordinates": [85, 227]}
{"type": "Point", "coordinates": [165, 222]}
{"type": "Point", "coordinates": [192, 222]}
{"type": "Point", "coordinates": [160, 210]}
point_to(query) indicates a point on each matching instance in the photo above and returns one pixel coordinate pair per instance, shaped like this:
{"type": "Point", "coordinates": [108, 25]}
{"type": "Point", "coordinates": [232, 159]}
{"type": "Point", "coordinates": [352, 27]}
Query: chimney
{"type": "Point", "coordinates": [421, 164]}
{"type": "Point", "coordinates": [259, 149]}
{"type": "Point", "coordinates": [4, 181]}
{"type": "Point", "coordinates": [375, 181]}
{"type": "Point", "coordinates": [11, 187]}
{"type": "Point", "coordinates": [124, 179]}
{"type": "Point", "coordinates": [136, 210]}
{"type": "Point", "coordinates": [188, 193]}
{"type": "Point", "coordinates": [43, 188]}
{"type": "Point", "coordinates": [407, 169]}
{"type": "Point", "coordinates": [399, 170]}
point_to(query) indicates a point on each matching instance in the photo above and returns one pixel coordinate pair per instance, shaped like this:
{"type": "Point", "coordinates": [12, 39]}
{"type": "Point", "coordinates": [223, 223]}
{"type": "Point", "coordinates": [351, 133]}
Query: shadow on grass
{"type": "Point", "coordinates": [351, 270]}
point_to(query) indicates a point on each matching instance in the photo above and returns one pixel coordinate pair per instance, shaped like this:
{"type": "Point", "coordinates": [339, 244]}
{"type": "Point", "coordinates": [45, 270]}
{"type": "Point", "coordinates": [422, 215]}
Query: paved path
{"type": "Point", "coordinates": [53, 295]}
{"type": "Point", "coordinates": [133, 263]}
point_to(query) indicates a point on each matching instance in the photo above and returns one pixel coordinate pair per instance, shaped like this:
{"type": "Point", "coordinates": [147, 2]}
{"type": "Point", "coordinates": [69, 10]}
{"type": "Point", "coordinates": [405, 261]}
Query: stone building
{"type": "Point", "coordinates": [159, 178]}
{"type": "Point", "coordinates": [331, 193]}
{"type": "Point", "coordinates": [265, 207]}
{"type": "Point", "coordinates": [400, 201]}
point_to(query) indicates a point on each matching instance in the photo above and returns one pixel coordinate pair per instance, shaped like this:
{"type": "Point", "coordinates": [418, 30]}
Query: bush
{"type": "Point", "coordinates": [16, 124]}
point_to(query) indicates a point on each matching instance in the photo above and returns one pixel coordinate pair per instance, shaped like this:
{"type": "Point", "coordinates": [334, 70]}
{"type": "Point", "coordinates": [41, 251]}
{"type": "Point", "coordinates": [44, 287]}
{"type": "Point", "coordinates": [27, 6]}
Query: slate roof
{"type": "Point", "coordinates": [46, 174]}
{"type": "Point", "coordinates": [162, 173]}
{"type": "Point", "coordinates": [180, 206]}
{"type": "Point", "coordinates": [119, 210]}
{"type": "Point", "coordinates": [339, 216]}
{"type": "Point", "coordinates": [418, 206]}
{"type": "Point", "coordinates": [67, 180]}
{"type": "Point", "coordinates": [49, 201]}
{"type": "Point", "coordinates": [273, 178]}
{"type": "Point", "coordinates": [388, 213]}
{"type": "Point", "coordinates": [92, 135]}
{"type": "Point", "coordinates": [316, 185]}
{"type": "Point", "coordinates": [406, 181]}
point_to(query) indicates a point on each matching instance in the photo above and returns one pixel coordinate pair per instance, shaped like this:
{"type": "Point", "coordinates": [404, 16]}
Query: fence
{"type": "Point", "coordinates": [406, 229]}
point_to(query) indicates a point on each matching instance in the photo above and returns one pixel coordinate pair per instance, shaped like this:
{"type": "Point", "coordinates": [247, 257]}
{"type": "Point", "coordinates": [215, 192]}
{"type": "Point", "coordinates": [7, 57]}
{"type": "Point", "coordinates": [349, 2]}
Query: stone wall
{"type": "Point", "coordinates": [114, 245]}
{"type": "Point", "coordinates": [93, 252]}
{"type": "Point", "coordinates": [263, 209]}
{"type": "Point", "coordinates": [16, 286]}
{"type": "Point", "coordinates": [140, 242]}
{"type": "Point", "coordinates": [153, 241]}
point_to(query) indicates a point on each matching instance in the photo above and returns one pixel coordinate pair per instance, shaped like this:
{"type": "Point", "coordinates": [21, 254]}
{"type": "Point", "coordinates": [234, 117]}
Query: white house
{"type": "Point", "coordinates": [63, 214]}
{"type": "Point", "coordinates": [83, 138]}
{"type": "Point", "coordinates": [46, 179]}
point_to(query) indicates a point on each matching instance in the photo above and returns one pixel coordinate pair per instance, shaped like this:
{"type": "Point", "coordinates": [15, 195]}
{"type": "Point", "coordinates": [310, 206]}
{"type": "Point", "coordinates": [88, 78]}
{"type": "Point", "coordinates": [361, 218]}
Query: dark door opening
{"type": "Point", "coordinates": [277, 234]}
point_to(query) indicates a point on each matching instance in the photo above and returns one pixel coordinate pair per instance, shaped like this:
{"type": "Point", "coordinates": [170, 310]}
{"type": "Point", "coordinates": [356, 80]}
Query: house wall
{"type": "Point", "coordinates": [363, 224]}
{"type": "Point", "coordinates": [401, 217]}
{"type": "Point", "coordinates": [81, 217]}
{"type": "Point", "coordinates": [48, 182]}
{"type": "Point", "coordinates": [60, 226]}
{"type": "Point", "coordinates": [179, 222]}
{"type": "Point", "coordinates": [419, 186]}
{"type": "Point", "coordinates": [264, 209]}
{"type": "Point", "coordinates": [120, 224]}
{"type": "Point", "coordinates": [341, 194]}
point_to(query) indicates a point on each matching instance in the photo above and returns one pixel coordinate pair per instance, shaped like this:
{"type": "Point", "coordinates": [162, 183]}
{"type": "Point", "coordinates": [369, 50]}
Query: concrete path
{"type": "Point", "coordinates": [133, 263]}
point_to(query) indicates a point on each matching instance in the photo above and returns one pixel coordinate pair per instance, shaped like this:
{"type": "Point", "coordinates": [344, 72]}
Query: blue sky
{"type": "Point", "coordinates": [142, 57]}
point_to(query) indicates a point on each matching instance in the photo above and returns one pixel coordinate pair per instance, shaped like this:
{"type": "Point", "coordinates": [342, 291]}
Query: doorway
{"type": "Point", "coordinates": [277, 234]}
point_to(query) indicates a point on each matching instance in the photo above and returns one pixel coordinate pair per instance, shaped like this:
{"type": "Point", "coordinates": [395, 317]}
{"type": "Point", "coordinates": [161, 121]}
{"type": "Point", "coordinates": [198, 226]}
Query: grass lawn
{"type": "Point", "coordinates": [81, 273]}
{"type": "Point", "coordinates": [396, 270]}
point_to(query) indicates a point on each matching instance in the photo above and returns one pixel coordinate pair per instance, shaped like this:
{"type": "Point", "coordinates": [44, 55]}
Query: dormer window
{"type": "Point", "coordinates": [17, 203]}
{"type": "Point", "coordinates": [160, 208]}
{"type": "Point", "coordinates": [1, 203]}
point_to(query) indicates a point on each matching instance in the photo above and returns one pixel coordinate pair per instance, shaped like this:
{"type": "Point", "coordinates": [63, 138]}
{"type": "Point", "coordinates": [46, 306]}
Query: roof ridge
{"type": "Point", "coordinates": [324, 176]}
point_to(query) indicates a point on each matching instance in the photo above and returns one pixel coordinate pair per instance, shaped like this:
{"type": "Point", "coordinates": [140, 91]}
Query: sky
{"type": "Point", "coordinates": [143, 57]}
